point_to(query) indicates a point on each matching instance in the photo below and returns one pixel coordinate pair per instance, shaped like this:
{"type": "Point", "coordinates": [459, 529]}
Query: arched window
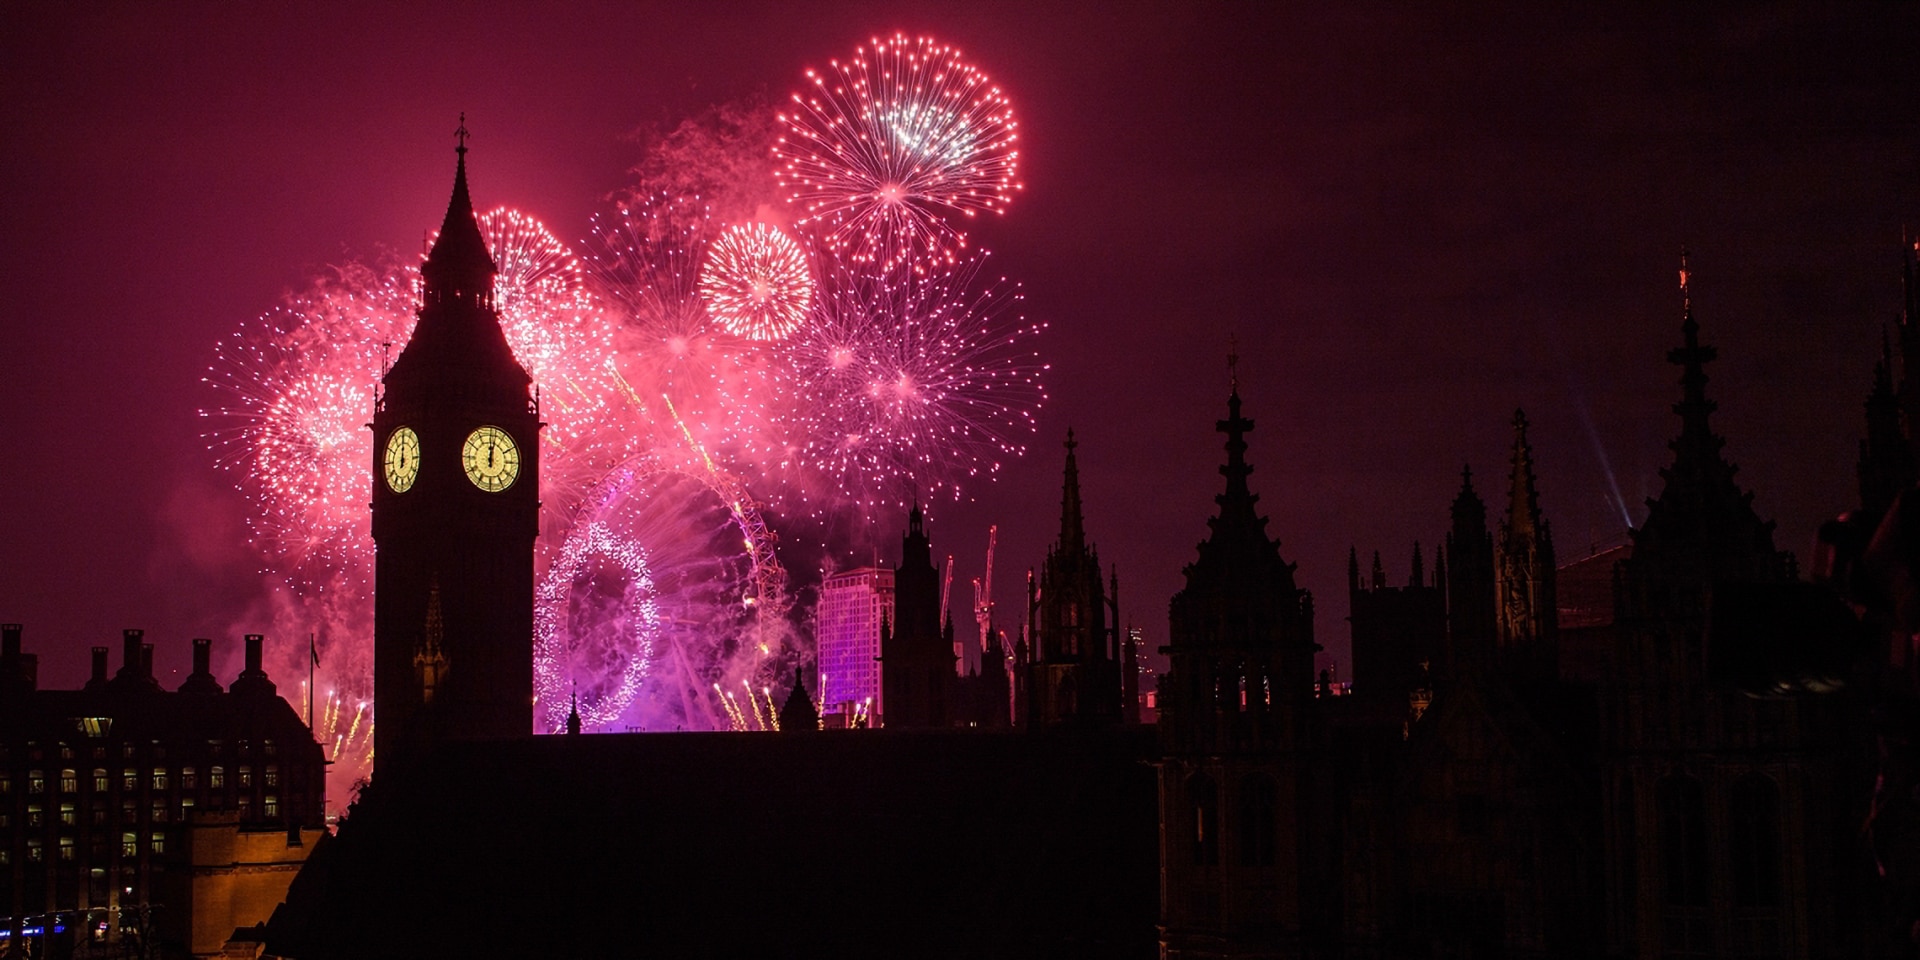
{"type": "Point", "coordinates": [1205, 798]}
{"type": "Point", "coordinates": [1754, 821]}
{"type": "Point", "coordinates": [1257, 816]}
{"type": "Point", "coordinates": [1683, 841]}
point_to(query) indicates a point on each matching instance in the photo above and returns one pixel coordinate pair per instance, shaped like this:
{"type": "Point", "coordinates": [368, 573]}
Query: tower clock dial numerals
{"type": "Point", "coordinates": [491, 458]}
{"type": "Point", "coordinates": [402, 460]}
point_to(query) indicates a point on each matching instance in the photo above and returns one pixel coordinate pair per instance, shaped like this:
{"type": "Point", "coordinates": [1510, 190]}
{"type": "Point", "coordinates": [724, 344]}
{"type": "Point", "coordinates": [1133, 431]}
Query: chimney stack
{"type": "Point", "coordinates": [253, 680]}
{"type": "Point", "coordinates": [130, 653]}
{"type": "Point", "coordinates": [202, 656]}
{"type": "Point", "coordinates": [9, 640]}
{"type": "Point", "coordinates": [99, 667]}
{"type": "Point", "coordinates": [146, 661]}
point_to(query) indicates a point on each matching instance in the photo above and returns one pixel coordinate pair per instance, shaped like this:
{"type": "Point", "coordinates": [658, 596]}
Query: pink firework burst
{"type": "Point", "coordinates": [295, 387]}
{"type": "Point", "coordinates": [756, 282]}
{"type": "Point", "coordinates": [884, 139]}
{"type": "Point", "coordinates": [671, 353]}
{"type": "Point", "coordinates": [913, 383]}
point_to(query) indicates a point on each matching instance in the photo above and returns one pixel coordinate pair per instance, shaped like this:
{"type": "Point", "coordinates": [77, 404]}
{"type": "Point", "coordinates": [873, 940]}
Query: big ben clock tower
{"type": "Point", "coordinates": [456, 508]}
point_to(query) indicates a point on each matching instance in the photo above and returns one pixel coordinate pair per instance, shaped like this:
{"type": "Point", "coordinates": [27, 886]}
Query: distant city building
{"type": "Point", "coordinates": [148, 818]}
{"type": "Point", "coordinates": [847, 619]}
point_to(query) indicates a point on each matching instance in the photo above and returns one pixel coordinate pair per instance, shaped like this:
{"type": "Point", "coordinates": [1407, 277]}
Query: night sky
{"type": "Point", "coordinates": [1414, 223]}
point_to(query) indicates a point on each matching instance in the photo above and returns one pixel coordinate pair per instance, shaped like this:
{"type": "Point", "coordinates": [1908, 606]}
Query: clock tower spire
{"type": "Point", "coordinates": [456, 508]}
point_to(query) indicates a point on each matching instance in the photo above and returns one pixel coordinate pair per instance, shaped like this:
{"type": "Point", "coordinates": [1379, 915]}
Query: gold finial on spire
{"type": "Point", "coordinates": [1686, 297]}
{"type": "Point", "coordinates": [461, 134]}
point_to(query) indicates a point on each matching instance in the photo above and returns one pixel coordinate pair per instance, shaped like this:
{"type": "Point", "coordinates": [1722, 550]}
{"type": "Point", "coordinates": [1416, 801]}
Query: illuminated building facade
{"type": "Point", "coordinates": [853, 604]}
{"type": "Point", "coordinates": [109, 795]}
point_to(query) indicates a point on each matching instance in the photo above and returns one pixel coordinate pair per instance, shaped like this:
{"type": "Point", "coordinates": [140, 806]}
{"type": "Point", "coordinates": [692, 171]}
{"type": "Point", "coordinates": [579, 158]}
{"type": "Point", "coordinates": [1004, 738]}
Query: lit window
{"type": "Point", "coordinates": [246, 775]}
{"type": "Point", "coordinates": [34, 853]}
{"type": "Point", "coordinates": [69, 781]}
{"type": "Point", "coordinates": [273, 775]}
{"type": "Point", "coordinates": [189, 778]}
{"type": "Point", "coordinates": [129, 779]}
{"type": "Point", "coordinates": [68, 815]}
{"type": "Point", "coordinates": [66, 848]}
{"type": "Point", "coordinates": [100, 780]}
{"type": "Point", "coordinates": [159, 778]}
{"type": "Point", "coordinates": [217, 777]}
{"type": "Point", "coordinates": [159, 842]}
{"type": "Point", "coordinates": [35, 815]}
{"type": "Point", "coordinates": [159, 811]}
{"type": "Point", "coordinates": [96, 726]}
{"type": "Point", "coordinates": [37, 781]}
{"type": "Point", "coordinates": [272, 805]}
{"type": "Point", "coordinates": [129, 845]}
{"type": "Point", "coordinates": [6, 784]}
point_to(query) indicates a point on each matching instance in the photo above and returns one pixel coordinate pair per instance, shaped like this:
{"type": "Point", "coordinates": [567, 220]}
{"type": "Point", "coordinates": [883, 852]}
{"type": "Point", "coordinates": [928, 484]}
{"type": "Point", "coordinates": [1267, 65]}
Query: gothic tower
{"type": "Point", "coordinates": [1238, 865]}
{"type": "Point", "coordinates": [1470, 582]}
{"type": "Point", "coordinates": [1073, 675]}
{"type": "Point", "coordinates": [1527, 615]}
{"type": "Point", "coordinates": [456, 507]}
{"type": "Point", "coordinates": [916, 655]}
{"type": "Point", "coordinates": [1886, 456]}
{"type": "Point", "coordinates": [1721, 810]}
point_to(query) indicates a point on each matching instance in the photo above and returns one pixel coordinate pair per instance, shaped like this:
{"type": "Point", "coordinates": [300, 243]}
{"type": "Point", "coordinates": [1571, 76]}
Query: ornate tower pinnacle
{"type": "Point", "coordinates": [1073, 536]}
{"type": "Point", "coordinates": [1702, 528]}
{"type": "Point", "coordinates": [1527, 606]}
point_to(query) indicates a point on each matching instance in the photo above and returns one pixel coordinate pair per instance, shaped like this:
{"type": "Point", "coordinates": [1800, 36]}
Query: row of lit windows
{"type": "Point", "coordinates": [188, 778]}
{"type": "Point", "coordinates": [69, 813]}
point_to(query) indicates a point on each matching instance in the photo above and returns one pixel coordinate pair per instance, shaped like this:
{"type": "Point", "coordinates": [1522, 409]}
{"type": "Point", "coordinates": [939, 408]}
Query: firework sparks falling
{"type": "Point", "coordinates": [915, 381]}
{"type": "Point", "coordinates": [883, 139]}
{"type": "Point", "coordinates": [756, 282]}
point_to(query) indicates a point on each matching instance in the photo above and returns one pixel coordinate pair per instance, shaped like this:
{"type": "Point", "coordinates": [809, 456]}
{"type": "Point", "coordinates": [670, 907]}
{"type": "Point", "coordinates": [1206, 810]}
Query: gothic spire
{"type": "Point", "coordinates": [1239, 553]}
{"type": "Point", "coordinates": [1073, 536]}
{"type": "Point", "coordinates": [1702, 526]}
{"type": "Point", "coordinates": [459, 266]}
{"type": "Point", "coordinates": [1523, 497]}
{"type": "Point", "coordinates": [1886, 464]}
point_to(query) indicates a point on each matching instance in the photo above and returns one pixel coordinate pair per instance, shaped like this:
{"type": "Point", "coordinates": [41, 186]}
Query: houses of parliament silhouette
{"type": "Point", "coordinates": [1533, 759]}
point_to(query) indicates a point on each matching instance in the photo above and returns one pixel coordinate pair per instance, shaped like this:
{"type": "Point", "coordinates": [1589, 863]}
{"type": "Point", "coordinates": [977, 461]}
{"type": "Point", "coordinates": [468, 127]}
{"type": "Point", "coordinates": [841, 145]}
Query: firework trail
{"type": "Point", "coordinates": [913, 383]}
{"type": "Point", "coordinates": [887, 139]}
{"type": "Point", "coordinates": [757, 282]}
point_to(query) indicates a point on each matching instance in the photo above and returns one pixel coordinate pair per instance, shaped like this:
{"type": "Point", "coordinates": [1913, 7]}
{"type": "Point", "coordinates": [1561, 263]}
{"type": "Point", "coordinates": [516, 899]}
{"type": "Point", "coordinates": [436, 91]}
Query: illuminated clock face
{"type": "Point", "coordinates": [491, 459]}
{"type": "Point", "coordinates": [402, 462]}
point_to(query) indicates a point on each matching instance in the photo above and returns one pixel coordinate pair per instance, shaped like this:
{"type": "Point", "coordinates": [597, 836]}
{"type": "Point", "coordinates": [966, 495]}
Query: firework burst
{"type": "Point", "coordinates": [756, 282]}
{"type": "Point", "coordinates": [886, 139]}
{"type": "Point", "coordinates": [910, 383]}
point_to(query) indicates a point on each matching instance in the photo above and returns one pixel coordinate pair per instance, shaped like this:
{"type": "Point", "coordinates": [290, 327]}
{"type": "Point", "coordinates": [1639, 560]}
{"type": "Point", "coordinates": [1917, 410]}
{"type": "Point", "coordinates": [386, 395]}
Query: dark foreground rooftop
{"type": "Point", "coordinates": [860, 843]}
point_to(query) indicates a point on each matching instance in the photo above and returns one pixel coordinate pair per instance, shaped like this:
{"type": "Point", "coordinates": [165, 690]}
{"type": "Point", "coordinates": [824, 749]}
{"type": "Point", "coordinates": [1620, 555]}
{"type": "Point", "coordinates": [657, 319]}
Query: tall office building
{"type": "Point", "coordinates": [853, 604]}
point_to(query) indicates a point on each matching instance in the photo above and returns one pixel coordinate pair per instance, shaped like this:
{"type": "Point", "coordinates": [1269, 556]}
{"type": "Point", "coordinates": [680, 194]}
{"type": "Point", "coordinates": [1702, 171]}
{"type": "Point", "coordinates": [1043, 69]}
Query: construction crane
{"type": "Point", "coordinates": [946, 588]}
{"type": "Point", "coordinates": [983, 590]}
